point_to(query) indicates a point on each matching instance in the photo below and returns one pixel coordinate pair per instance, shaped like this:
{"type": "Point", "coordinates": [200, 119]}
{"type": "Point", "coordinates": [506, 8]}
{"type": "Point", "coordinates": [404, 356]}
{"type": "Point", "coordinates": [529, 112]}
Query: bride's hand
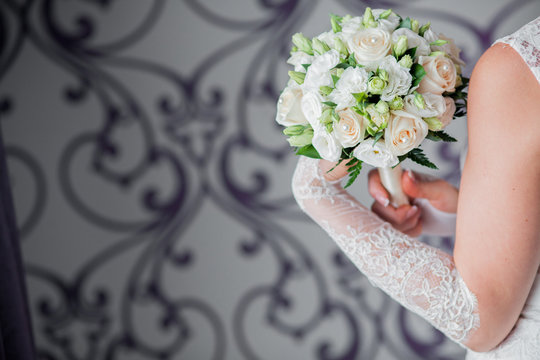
{"type": "Point", "coordinates": [407, 218]}
{"type": "Point", "coordinates": [337, 172]}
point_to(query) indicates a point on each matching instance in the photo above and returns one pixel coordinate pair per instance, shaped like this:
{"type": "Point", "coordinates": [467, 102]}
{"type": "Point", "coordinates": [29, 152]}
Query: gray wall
{"type": "Point", "coordinates": [152, 184]}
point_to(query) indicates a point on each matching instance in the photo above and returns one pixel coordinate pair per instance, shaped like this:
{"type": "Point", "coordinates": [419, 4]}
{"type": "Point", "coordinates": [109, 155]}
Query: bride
{"type": "Point", "coordinates": [486, 296]}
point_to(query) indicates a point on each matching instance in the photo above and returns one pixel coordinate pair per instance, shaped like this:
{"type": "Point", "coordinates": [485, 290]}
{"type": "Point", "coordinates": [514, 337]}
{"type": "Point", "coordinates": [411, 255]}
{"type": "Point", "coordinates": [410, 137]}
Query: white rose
{"type": "Point", "coordinates": [375, 154]}
{"type": "Point", "coordinates": [399, 79]}
{"type": "Point", "coordinates": [352, 81]}
{"type": "Point", "coordinates": [405, 131]}
{"type": "Point", "coordinates": [350, 129]}
{"type": "Point", "coordinates": [369, 46]}
{"type": "Point", "coordinates": [327, 145]}
{"type": "Point", "coordinates": [318, 74]}
{"type": "Point", "coordinates": [448, 114]}
{"type": "Point", "coordinates": [413, 40]}
{"type": "Point", "coordinates": [299, 58]}
{"type": "Point", "coordinates": [434, 105]}
{"type": "Point", "coordinates": [311, 105]}
{"type": "Point", "coordinates": [289, 110]}
{"type": "Point", "coordinates": [440, 74]}
{"type": "Point", "coordinates": [390, 23]}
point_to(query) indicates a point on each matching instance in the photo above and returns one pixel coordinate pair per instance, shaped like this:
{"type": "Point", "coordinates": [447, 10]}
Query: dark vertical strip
{"type": "Point", "coordinates": [16, 340]}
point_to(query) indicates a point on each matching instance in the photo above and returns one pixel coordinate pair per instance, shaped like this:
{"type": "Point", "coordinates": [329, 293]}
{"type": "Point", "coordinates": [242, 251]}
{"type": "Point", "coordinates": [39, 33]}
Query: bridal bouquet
{"type": "Point", "coordinates": [371, 90]}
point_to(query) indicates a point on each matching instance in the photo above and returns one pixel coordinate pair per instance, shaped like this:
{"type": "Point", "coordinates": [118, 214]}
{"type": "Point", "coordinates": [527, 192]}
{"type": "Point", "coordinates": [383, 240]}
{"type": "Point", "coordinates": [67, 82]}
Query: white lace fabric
{"type": "Point", "coordinates": [420, 277]}
{"type": "Point", "coordinates": [526, 42]}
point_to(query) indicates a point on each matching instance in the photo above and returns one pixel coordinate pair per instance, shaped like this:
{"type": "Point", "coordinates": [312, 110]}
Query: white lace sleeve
{"type": "Point", "coordinates": [422, 278]}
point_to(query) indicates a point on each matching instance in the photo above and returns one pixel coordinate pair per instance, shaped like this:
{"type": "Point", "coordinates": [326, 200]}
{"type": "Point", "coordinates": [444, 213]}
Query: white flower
{"type": "Point", "coordinates": [413, 40]}
{"type": "Point", "coordinates": [350, 27]}
{"type": "Point", "coordinates": [311, 105]}
{"type": "Point", "coordinates": [318, 74]}
{"type": "Point", "coordinates": [370, 46]}
{"type": "Point", "coordinates": [390, 23]}
{"type": "Point", "coordinates": [451, 49]}
{"type": "Point", "coordinates": [350, 129]}
{"type": "Point", "coordinates": [448, 114]}
{"type": "Point", "coordinates": [375, 154]}
{"type": "Point", "coordinates": [289, 110]}
{"type": "Point", "coordinates": [430, 36]}
{"type": "Point", "coordinates": [352, 81]}
{"type": "Point", "coordinates": [399, 79]}
{"type": "Point", "coordinates": [434, 105]}
{"type": "Point", "coordinates": [440, 75]}
{"type": "Point", "coordinates": [405, 131]}
{"type": "Point", "coordinates": [329, 38]}
{"type": "Point", "coordinates": [326, 144]}
{"type": "Point", "coordinates": [299, 58]}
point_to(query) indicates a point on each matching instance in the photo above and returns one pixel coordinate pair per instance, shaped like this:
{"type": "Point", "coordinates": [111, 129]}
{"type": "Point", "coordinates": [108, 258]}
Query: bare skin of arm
{"type": "Point", "coordinates": [497, 249]}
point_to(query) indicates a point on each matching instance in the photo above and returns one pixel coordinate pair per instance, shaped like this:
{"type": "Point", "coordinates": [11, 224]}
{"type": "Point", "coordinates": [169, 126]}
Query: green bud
{"type": "Point", "coordinates": [293, 50]}
{"type": "Point", "coordinates": [396, 103]}
{"type": "Point", "coordinates": [400, 47]}
{"type": "Point", "coordinates": [434, 124]}
{"type": "Point", "coordinates": [376, 85]}
{"type": "Point", "coordinates": [383, 74]}
{"type": "Point", "coordinates": [419, 100]}
{"type": "Point", "coordinates": [335, 21]}
{"type": "Point", "coordinates": [326, 116]}
{"type": "Point", "coordinates": [302, 43]}
{"type": "Point", "coordinates": [415, 25]}
{"type": "Point", "coordinates": [378, 120]}
{"type": "Point", "coordinates": [406, 61]}
{"type": "Point", "coordinates": [437, 53]}
{"type": "Point", "coordinates": [382, 107]}
{"type": "Point", "coordinates": [329, 128]}
{"type": "Point", "coordinates": [340, 46]}
{"type": "Point", "coordinates": [294, 130]}
{"type": "Point", "coordinates": [297, 76]}
{"type": "Point", "coordinates": [439, 42]}
{"type": "Point", "coordinates": [347, 17]}
{"type": "Point", "coordinates": [301, 140]}
{"type": "Point", "coordinates": [326, 90]}
{"type": "Point", "coordinates": [424, 28]}
{"type": "Point", "coordinates": [385, 14]}
{"type": "Point", "coordinates": [369, 20]}
{"type": "Point", "coordinates": [320, 47]}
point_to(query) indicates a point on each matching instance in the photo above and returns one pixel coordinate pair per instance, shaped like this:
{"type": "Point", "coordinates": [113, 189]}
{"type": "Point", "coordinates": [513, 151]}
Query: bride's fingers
{"type": "Point", "coordinates": [332, 171]}
{"type": "Point", "coordinates": [405, 218]}
{"type": "Point", "coordinates": [376, 189]}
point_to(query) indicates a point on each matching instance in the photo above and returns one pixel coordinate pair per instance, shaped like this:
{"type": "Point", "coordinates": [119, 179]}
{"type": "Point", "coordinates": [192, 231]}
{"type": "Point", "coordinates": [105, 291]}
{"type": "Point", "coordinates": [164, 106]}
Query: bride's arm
{"type": "Point", "coordinates": [497, 252]}
{"type": "Point", "coordinates": [497, 247]}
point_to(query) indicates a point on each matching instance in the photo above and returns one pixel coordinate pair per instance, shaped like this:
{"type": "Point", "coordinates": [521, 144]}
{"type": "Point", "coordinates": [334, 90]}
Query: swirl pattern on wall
{"type": "Point", "coordinates": [152, 185]}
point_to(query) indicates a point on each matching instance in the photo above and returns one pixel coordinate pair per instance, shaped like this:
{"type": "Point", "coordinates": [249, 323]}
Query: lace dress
{"type": "Point", "coordinates": [422, 278]}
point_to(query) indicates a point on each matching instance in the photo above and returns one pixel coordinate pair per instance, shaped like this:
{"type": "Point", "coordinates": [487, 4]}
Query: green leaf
{"type": "Point", "coordinates": [308, 151]}
{"type": "Point", "coordinates": [329, 103]}
{"type": "Point", "coordinates": [411, 52]}
{"type": "Point", "coordinates": [335, 79]}
{"type": "Point", "coordinates": [440, 136]}
{"type": "Point", "coordinates": [351, 60]}
{"type": "Point", "coordinates": [405, 24]}
{"type": "Point", "coordinates": [342, 66]}
{"type": "Point", "coordinates": [306, 66]}
{"type": "Point", "coordinates": [418, 156]}
{"type": "Point", "coordinates": [418, 73]}
{"type": "Point", "coordinates": [354, 171]}
{"type": "Point", "coordinates": [360, 97]}
{"type": "Point", "coordinates": [377, 137]}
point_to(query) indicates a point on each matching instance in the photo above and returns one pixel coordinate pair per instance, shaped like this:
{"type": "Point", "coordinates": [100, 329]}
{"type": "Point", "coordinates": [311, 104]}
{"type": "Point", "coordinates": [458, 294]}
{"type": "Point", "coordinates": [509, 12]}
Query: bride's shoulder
{"type": "Point", "coordinates": [502, 83]}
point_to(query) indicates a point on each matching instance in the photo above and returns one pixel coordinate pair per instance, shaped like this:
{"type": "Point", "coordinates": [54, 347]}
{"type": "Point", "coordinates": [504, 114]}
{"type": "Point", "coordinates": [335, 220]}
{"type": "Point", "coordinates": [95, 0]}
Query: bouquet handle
{"type": "Point", "coordinates": [391, 180]}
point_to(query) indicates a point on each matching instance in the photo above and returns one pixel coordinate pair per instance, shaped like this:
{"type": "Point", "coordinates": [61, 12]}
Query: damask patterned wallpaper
{"type": "Point", "coordinates": [152, 185]}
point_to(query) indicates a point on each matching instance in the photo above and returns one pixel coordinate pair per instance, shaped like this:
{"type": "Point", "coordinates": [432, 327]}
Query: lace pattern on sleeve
{"type": "Point", "coordinates": [422, 278]}
{"type": "Point", "coordinates": [526, 42]}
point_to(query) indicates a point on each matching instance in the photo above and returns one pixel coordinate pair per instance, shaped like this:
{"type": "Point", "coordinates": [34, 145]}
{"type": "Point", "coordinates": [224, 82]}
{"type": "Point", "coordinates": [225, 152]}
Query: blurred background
{"type": "Point", "coordinates": [152, 184]}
